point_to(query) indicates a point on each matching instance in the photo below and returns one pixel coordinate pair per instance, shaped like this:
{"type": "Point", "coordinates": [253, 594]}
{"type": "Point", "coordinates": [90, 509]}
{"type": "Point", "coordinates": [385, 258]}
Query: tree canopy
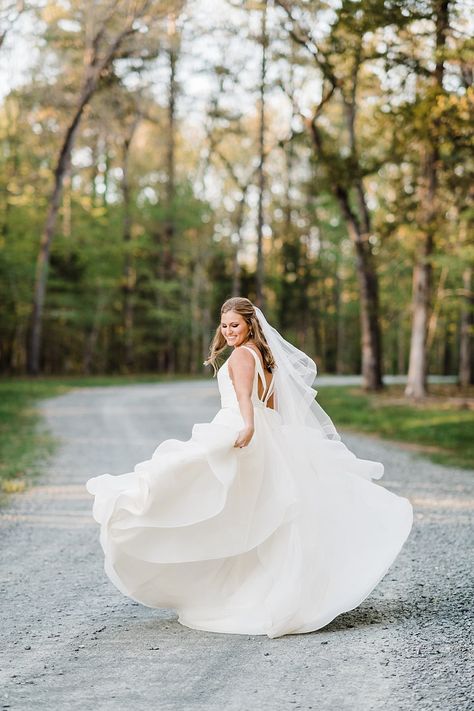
{"type": "Point", "coordinates": [159, 157]}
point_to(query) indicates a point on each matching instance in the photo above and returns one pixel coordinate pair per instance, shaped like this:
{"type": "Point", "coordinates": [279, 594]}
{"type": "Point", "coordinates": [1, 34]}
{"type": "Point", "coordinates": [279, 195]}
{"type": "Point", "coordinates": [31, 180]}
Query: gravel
{"type": "Point", "coordinates": [69, 640]}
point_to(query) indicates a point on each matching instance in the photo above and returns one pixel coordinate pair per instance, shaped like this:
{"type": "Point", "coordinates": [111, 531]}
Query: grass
{"type": "Point", "coordinates": [440, 427]}
{"type": "Point", "coordinates": [25, 444]}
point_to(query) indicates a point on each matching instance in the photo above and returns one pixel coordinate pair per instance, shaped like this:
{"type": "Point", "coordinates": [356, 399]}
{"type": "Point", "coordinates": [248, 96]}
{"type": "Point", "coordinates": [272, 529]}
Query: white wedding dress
{"type": "Point", "coordinates": [276, 538]}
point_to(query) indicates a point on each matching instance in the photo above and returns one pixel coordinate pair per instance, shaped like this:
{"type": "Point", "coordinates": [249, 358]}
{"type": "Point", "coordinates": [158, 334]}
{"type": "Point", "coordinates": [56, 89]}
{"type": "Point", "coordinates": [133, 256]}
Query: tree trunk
{"type": "Point", "coordinates": [358, 224]}
{"type": "Point", "coordinates": [93, 71]}
{"type": "Point", "coordinates": [422, 273]}
{"type": "Point", "coordinates": [359, 229]}
{"type": "Point", "coordinates": [438, 300]}
{"type": "Point", "coordinates": [167, 266]}
{"type": "Point", "coordinates": [340, 324]}
{"type": "Point", "coordinates": [289, 251]}
{"type": "Point", "coordinates": [129, 275]}
{"type": "Point", "coordinates": [169, 262]}
{"type": "Point", "coordinates": [94, 67]}
{"type": "Point", "coordinates": [42, 262]}
{"type": "Point", "coordinates": [416, 386]}
{"type": "Point", "coordinates": [261, 174]}
{"type": "Point", "coordinates": [236, 269]}
{"type": "Point", "coordinates": [369, 296]}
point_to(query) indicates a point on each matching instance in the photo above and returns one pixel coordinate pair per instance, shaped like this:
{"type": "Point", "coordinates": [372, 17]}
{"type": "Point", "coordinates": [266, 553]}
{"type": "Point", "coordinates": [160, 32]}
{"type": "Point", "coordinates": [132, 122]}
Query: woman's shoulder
{"type": "Point", "coordinates": [258, 353]}
{"type": "Point", "coordinates": [240, 356]}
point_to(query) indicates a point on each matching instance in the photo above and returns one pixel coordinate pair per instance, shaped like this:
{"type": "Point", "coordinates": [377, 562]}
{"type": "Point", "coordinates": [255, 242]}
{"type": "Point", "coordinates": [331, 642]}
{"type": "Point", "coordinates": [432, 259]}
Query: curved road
{"type": "Point", "coordinates": [69, 640]}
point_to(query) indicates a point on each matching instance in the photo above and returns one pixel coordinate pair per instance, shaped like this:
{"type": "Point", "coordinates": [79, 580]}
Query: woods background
{"type": "Point", "coordinates": [159, 157]}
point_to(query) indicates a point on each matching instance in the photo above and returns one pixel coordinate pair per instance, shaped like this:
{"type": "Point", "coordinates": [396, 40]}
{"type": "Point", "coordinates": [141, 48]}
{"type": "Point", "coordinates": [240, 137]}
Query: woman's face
{"type": "Point", "coordinates": [234, 328]}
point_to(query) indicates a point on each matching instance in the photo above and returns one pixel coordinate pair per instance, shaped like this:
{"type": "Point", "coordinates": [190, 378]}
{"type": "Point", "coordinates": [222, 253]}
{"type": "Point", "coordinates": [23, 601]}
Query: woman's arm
{"type": "Point", "coordinates": [242, 372]}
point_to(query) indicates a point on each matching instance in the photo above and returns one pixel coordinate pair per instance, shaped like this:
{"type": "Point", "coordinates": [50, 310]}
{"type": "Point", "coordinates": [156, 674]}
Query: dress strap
{"type": "Point", "coordinates": [267, 393]}
{"type": "Point", "coordinates": [257, 361]}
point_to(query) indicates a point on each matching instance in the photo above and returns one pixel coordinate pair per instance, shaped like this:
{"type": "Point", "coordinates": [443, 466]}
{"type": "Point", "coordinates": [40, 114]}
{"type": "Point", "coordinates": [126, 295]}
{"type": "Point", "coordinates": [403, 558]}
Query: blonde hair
{"type": "Point", "coordinates": [246, 309]}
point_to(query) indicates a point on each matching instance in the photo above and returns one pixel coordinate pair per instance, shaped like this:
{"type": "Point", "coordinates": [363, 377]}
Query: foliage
{"type": "Point", "coordinates": [157, 223]}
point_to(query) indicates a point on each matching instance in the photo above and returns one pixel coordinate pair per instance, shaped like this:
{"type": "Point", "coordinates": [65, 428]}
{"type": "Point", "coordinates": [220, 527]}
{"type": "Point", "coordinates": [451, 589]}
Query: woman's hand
{"type": "Point", "coordinates": [244, 437]}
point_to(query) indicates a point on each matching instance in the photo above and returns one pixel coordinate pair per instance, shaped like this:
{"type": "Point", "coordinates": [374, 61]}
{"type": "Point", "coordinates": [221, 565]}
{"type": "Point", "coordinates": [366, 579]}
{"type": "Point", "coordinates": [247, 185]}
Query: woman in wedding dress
{"type": "Point", "coordinates": [263, 522]}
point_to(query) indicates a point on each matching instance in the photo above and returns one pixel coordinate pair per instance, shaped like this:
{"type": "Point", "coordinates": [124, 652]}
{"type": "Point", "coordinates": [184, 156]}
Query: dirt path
{"type": "Point", "coordinates": [71, 641]}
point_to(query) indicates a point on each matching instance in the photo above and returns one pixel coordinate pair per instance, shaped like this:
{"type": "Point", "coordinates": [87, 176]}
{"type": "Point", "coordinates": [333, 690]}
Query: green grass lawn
{"type": "Point", "coordinates": [440, 428]}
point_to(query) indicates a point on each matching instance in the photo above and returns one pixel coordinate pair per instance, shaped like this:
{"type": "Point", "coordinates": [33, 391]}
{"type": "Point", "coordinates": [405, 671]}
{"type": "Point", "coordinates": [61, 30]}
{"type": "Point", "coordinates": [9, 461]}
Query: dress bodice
{"type": "Point", "coordinates": [226, 387]}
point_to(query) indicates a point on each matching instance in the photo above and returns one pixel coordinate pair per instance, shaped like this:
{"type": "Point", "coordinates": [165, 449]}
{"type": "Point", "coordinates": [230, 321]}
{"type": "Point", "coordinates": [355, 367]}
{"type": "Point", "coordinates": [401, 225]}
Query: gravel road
{"type": "Point", "coordinates": [69, 640]}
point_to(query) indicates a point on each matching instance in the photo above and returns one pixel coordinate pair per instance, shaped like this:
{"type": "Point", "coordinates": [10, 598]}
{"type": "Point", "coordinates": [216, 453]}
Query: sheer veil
{"type": "Point", "coordinates": [295, 373]}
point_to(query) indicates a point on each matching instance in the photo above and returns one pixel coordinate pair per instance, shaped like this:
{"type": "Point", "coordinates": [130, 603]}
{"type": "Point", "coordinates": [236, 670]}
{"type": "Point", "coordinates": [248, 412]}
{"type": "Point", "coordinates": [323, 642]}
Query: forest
{"type": "Point", "coordinates": [160, 156]}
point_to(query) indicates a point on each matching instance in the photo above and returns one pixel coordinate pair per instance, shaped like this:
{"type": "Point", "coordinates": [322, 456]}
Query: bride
{"type": "Point", "coordinates": [263, 522]}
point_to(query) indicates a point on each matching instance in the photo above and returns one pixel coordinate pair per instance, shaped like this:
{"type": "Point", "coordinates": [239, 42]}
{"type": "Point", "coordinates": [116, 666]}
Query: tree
{"type": "Point", "coordinates": [159, 211]}
{"type": "Point", "coordinates": [109, 28]}
{"type": "Point", "coordinates": [346, 174]}
{"type": "Point", "coordinates": [429, 209]}
{"type": "Point", "coordinates": [261, 162]}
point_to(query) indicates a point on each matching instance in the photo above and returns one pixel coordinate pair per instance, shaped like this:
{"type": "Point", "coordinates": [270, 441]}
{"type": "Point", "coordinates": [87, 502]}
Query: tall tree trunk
{"type": "Point", "coordinates": [289, 249]}
{"type": "Point", "coordinates": [236, 269]}
{"type": "Point", "coordinates": [369, 295]}
{"type": "Point", "coordinates": [360, 229]}
{"type": "Point", "coordinates": [42, 261]}
{"type": "Point", "coordinates": [358, 223]}
{"type": "Point", "coordinates": [97, 59]}
{"type": "Point", "coordinates": [417, 370]}
{"type": "Point", "coordinates": [340, 323]}
{"type": "Point", "coordinates": [66, 211]}
{"type": "Point", "coordinates": [422, 273]}
{"type": "Point", "coordinates": [290, 245]}
{"type": "Point", "coordinates": [129, 275]}
{"type": "Point", "coordinates": [438, 300]}
{"type": "Point", "coordinates": [171, 151]}
{"type": "Point", "coordinates": [167, 265]}
{"type": "Point", "coordinates": [260, 276]}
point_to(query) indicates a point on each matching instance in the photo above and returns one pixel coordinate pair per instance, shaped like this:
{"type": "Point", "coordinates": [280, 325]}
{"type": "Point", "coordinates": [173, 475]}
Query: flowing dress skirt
{"type": "Point", "coordinates": [276, 538]}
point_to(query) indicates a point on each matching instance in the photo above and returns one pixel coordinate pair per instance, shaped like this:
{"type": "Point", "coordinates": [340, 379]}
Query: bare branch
{"type": "Point", "coordinates": [19, 8]}
{"type": "Point", "coordinates": [303, 37]}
